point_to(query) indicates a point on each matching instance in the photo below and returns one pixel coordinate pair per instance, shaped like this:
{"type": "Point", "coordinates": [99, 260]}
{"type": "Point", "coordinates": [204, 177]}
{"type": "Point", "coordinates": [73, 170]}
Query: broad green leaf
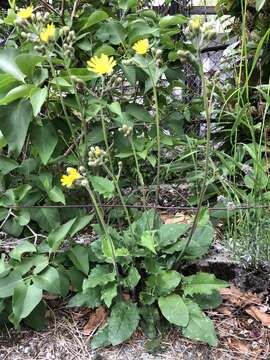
{"type": "Point", "coordinates": [48, 280]}
{"type": "Point", "coordinates": [123, 322]}
{"type": "Point", "coordinates": [79, 257]}
{"type": "Point", "coordinates": [24, 300]}
{"type": "Point", "coordinates": [14, 122]}
{"type": "Point", "coordinates": [202, 283]}
{"type": "Point", "coordinates": [102, 186]}
{"type": "Point", "coordinates": [260, 4]}
{"type": "Point", "coordinates": [200, 327]}
{"type": "Point", "coordinates": [94, 18]}
{"type": "Point", "coordinates": [19, 92]}
{"type": "Point", "coordinates": [105, 49]}
{"type": "Point", "coordinates": [27, 62]}
{"type": "Point", "coordinates": [163, 282]}
{"type": "Point", "coordinates": [89, 298]}
{"type": "Point", "coordinates": [76, 278]}
{"type": "Point", "coordinates": [148, 241]}
{"type": "Point", "coordinates": [113, 32]}
{"type": "Point", "coordinates": [101, 338]}
{"type": "Point", "coordinates": [4, 266]}
{"type": "Point", "coordinates": [47, 219]}
{"type": "Point", "coordinates": [37, 320]}
{"type": "Point", "coordinates": [80, 223]}
{"type": "Point", "coordinates": [174, 309]}
{"type": "Point", "coordinates": [57, 236]}
{"type": "Point", "coordinates": [100, 275]}
{"type": "Point", "coordinates": [139, 113]}
{"type": "Point", "coordinates": [37, 99]}
{"type": "Point", "coordinates": [35, 263]}
{"type": "Point", "coordinates": [56, 195]}
{"type": "Point", "coordinates": [108, 293]}
{"type": "Point", "coordinates": [126, 4]}
{"type": "Point", "coordinates": [7, 165]}
{"type": "Point", "coordinates": [211, 301]}
{"type": "Point", "coordinates": [45, 139]}
{"type": "Point", "coordinates": [22, 248]}
{"type": "Point", "coordinates": [108, 251]}
{"type": "Point", "coordinates": [8, 283]}
{"type": "Point", "coordinates": [132, 279]}
{"type": "Point", "coordinates": [8, 64]}
{"type": "Point", "coordinates": [170, 233]}
{"type": "Point", "coordinates": [172, 20]}
{"type": "Point", "coordinates": [140, 29]}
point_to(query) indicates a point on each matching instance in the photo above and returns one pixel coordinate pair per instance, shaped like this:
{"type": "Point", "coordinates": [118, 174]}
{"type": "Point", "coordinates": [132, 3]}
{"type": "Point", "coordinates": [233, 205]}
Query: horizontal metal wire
{"type": "Point", "coordinates": [158, 207]}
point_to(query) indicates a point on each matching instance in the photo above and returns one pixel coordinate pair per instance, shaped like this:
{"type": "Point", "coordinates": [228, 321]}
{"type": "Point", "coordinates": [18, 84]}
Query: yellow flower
{"type": "Point", "coordinates": [26, 13]}
{"type": "Point", "coordinates": [195, 23]}
{"type": "Point", "coordinates": [68, 180]}
{"type": "Point", "coordinates": [101, 65]}
{"type": "Point", "coordinates": [97, 151]}
{"type": "Point", "coordinates": [141, 47]}
{"type": "Point", "coordinates": [47, 33]}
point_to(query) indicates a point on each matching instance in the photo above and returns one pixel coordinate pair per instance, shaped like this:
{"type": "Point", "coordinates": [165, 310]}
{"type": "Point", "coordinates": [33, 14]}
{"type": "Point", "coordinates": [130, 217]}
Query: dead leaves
{"type": "Point", "coordinates": [238, 298]}
{"type": "Point", "coordinates": [96, 320]}
{"type": "Point", "coordinates": [259, 315]}
{"type": "Point", "coordinates": [178, 218]}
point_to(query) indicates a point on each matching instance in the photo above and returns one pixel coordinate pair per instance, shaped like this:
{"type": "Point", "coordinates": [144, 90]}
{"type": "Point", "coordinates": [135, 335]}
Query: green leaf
{"type": "Point", "coordinates": [132, 279]}
{"type": "Point", "coordinates": [8, 64]}
{"type": "Point", "coordinates": [57, 236]}
{"type": "Point", "coordinates": [202, 283]}
{"type": "Point", "coordinates": [112, 32]}
{"type": "Point", "coordinates": [22, 248]}
{"type": "Point", "coordinates": [45, 139]}
{"type": "Point", "coordinates": [101, 338]}
{"type": "Point", "coordinates": [126, 4]}
{"type": "Point", "coordinates": [163, 282]}
{"type": "Point", "coordinates": [19, 92]}
{"type": "Point", "coordinates": [48, 280]}
{"type": "Point", "coordinates": [14, 122]}
{"type": "Point", "coordinates": [260, 4]}
{"type": "Point", "coordinates": [170, 233]}
{"type": "Point", "coordinates": [76, 278]}
{"type": "Point", "coordinates": [148, 241]}
{"type": "Point", "coordinates": [56, 195]}
{"type": "Point", "coordinates": [27, 62]}
{"type": "Point", "coordinates": [24, 300]}
{"type": "Point", "coordinates": [108, 251]}
{"type": "Point", "coordinates": [123, 322]}
{"type": "Point", "coordinates": [102, 186]}
{"type": "Point", "coordinates": [79, 257]}
{"type": "Point", "coordinates": [200, 327]}
{"type": "Point", "coordinates": [174, 309]}
{"type": "Point", "coordinates": [89, 298]}
{"type": "Point", "coordinates": [4, 266]}
{"type": "Point", "coordinates": [172, 20]}
{"type": "Point", "coordinates": [36, 320]}
{"type": "Point", "coordinates": [109, 292]}
{"type": "Point", "coordinates": [47, 219]}
{"type": "Point", "coordinates": [80, 223]}
{"type": "Point", "coordinates": [139, 113]}
{"type": "Point", "coordinates": [100, 275]}
{"type": "Point", "coordinates": [36, 263]}
{"type": "Point", "coordinates": [93, 19]}
{"type": "Point", "coordinates": [37, 99]}
{"type": "Point", "coordinates": [7, 165]}
{"type": "Point", "coordinates": [211, 301]}
{"type": "Point", "coordinates": [8, 283]}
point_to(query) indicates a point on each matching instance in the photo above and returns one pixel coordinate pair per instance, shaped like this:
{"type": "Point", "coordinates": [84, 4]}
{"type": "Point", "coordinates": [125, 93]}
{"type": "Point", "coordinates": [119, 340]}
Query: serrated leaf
{"type": "Point", "coordinates": [174, 309]}
{"type": "Point", "coordinates": [103, 186]}
{"type": "Point", "coordinates": [170, 233]}
{"type": "Point", "coordinates": [100, 275]}
{"type": "Point", "coordinates": [163, 283]}
{"type": "Point", "coordinates": [132, 279]}
{"type": "Point", "coordinates": [45, 139]}
{"type": "Point", "coordinates": [202, 283]}
{"type": "Point", "coordinates": [123, 322]}
{"type": "Point", "coordinates": [109, 292]}
{"type": "Point", "coordinates": [148, 241]}
{"type": "Point", "coordinates": [200, 327]}
{"type": "Point", "coordinates": [101, 338]}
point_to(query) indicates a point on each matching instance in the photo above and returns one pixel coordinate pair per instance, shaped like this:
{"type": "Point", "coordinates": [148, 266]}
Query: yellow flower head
{"type": "Point", "coordinates": [26, 13]}
{"type": "Point", "coordinates": [141, 47]}
{"type": "Point", "coordinates": [195, 23]}
{"type": "Point", "coordinates": [97, 151]}
{"type": "Point", "coordinates": [101, 65]}
{"type": "Point", "coordinates": [48, 33]}
{"type": "Point", "coordinates": [69, 179]}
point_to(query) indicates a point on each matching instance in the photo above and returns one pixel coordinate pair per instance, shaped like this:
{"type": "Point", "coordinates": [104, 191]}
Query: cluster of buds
{"type": "Point", "coordinates": [96, 156]}
{"type": "Point", "coordinates": [126, 130]}
{"type": "Point", "coordinates": [68, 40]}
{"type": "Point", "coordinates": [196, 28]}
